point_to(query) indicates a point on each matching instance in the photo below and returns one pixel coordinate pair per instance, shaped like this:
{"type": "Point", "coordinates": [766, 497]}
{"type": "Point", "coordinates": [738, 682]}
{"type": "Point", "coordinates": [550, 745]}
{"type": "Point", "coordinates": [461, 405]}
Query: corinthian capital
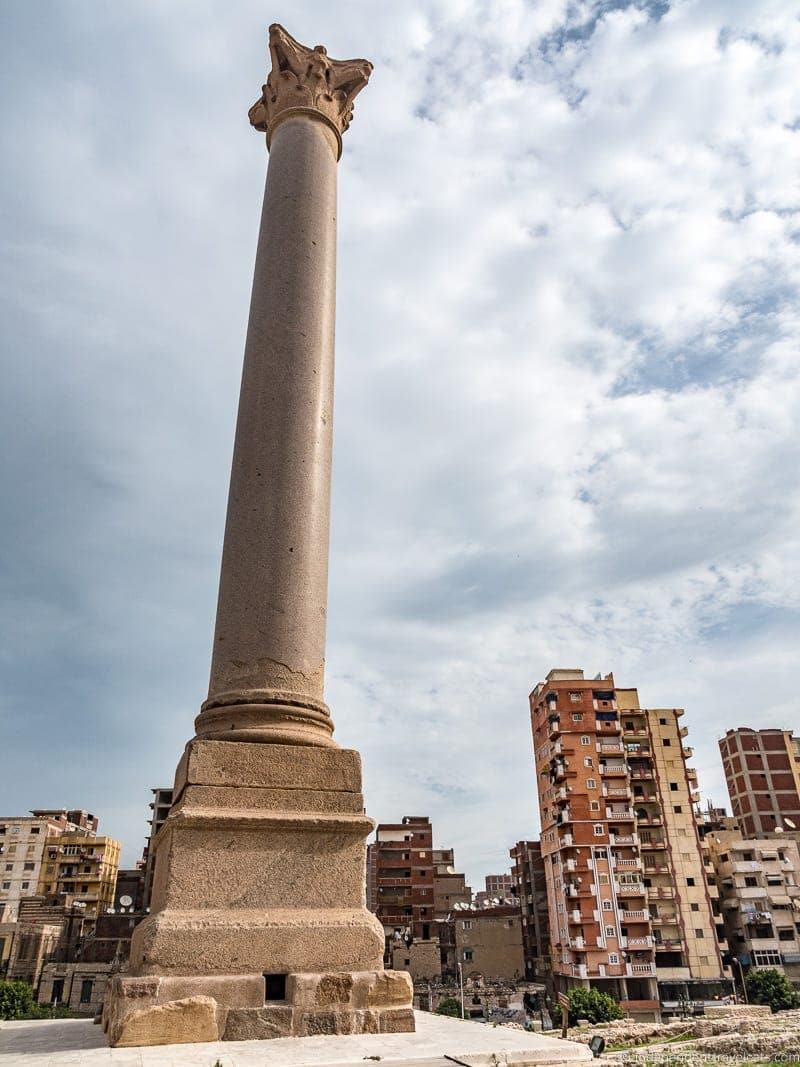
{"type": "Point", "coordinates": [306, 80]}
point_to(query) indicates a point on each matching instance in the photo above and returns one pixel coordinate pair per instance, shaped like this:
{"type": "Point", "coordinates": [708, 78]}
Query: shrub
{"type": "Point", "coordinates": [449, 1006]}
{"type": "Point", "coordinates": [16, 1000]}
{"type": "Point", "coordinates": [772, 987]}
{"type": "Point", "coordinates": [593, 1005]}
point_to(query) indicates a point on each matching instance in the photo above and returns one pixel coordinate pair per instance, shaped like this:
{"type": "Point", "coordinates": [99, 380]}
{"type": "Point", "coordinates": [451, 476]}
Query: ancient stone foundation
{"type": "Point", "coordinates": [165, 1011]}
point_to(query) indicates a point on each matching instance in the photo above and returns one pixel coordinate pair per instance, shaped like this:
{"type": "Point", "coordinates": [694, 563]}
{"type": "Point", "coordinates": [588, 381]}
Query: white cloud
{"type": "Point", "coordinates": [566, 388]}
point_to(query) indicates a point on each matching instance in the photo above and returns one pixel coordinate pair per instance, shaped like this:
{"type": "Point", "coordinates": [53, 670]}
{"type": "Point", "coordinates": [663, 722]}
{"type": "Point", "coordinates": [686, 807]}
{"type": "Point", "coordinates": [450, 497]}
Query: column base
{"type": "Point", "coordinates": [155, 1010]}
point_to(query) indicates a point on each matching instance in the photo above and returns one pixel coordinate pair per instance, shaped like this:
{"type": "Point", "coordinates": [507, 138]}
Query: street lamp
{"type": "Point", "coordinates": [461, 986]}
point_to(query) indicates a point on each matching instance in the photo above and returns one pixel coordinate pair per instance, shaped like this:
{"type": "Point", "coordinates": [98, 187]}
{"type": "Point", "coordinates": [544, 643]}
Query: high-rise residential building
{"type": "Point", "coordinates": [22, 848]}
{"type": "Point", "coordinates": [414, 889]}
{"type": "Point", "coordinates": [630, 909]}
{"type": "Point", "coordinates": [159, 806]}
{"type": "Point", "coordinates": [759, 886]}
{"type": "Point", "coordinates": [81, 867]}
{"type": "Point", "coordinates": [529, 888]}
{"type": "Point", "coordinates": [762, 770]}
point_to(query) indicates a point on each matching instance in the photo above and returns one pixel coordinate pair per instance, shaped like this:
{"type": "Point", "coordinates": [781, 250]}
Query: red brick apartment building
{"type": "Point", "coordinates": [762, 770]}
{"type": "Point", "coordinates": [630, 908]}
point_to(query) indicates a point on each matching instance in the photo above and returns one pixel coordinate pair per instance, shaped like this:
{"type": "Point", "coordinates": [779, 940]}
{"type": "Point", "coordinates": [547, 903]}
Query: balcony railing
{"type": "Point", "coordinates": [610, 770]}
{"type": "Point", "coordinates": [627, 814]}
{"type": "Point", "coordinates": [640, 915]}
{"type": "Point", "coordinates": [639, 970]}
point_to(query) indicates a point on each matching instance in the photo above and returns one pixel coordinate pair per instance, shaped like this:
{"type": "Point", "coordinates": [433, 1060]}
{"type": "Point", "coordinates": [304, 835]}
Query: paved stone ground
{"type": "Point", "coordinates": [438, 1042]}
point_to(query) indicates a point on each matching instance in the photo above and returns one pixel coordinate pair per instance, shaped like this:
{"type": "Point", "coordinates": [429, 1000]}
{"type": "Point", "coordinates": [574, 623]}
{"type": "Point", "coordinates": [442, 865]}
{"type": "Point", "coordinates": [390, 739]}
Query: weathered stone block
{"type": "Point", "coordinates": [181, 1022]}
{"type": "Point", "coordinates": [334, 989]}
{"type": "Point", "coordinates": [397, 1021]}
{"type": "Point", "coordinates": [390, 989]}
{"type": "Point", "coordinates": [258, 1024]}
{"type": "Point", "coordinates": [325, 1022]}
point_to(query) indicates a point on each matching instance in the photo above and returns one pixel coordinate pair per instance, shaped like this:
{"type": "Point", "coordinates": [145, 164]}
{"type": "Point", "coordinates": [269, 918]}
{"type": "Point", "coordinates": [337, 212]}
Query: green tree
{"type": "Point", "coordinates": [16, 1000]}
{"type": "Point", "coordinates": [449, 1006]}
{"type": "Point", "coordinates": [593, 1005]}
{"type": "Point", "coordinates": [772, 987]}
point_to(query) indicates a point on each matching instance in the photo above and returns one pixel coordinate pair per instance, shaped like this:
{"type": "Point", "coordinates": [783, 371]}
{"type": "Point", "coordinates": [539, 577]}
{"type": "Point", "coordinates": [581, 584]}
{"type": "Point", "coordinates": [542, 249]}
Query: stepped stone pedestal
{"type": "Point", "coordinates": [259, 926]}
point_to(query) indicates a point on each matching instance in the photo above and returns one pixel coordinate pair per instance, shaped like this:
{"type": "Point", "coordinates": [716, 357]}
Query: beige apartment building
{"type": "Point", "coordinates": [81, 867]}
{"type": "Point", "coordinates": [762, 771]}
{"type": "Point", "coordinates": [631, 912]}
{"type": "Point", "coordinates": [489, 943]}
{"type": "Point", "coordinates": [23, 840]}
{"type": "Point", "coordinates": [759, 886]}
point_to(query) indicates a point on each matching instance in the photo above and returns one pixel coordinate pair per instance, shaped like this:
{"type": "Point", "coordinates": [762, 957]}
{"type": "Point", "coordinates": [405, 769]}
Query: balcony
{"type": "Point", "coordinates": [616, 790]}
{"type": "Point", "coordinates": [630, 889]}
{"type": "Point", "coordinates": [639, 942]}
{"type": "Point", "coordinates": [656, 868]}
{"type": "Point", "coordinates": [641, 970]}
{"type": "Point", "coordinates": [635, 731]}
{"type": "Point", "coordinates": [553, 727]}
{"type": "Point", "coordinates": [684, 731]}
{"type": "Point", "coordinates": [626, 814]}
{"type": "Point", "coordinates": [688, 751]}
{"type": "Point", "coordinates": [570, 864]}
{"type": "Point", "coordinates": [649, 820]}
{"type": "Point", "coordinates": [577, 943]}
{"type": "Point", "coordinates": [746, 867]}
{"type": "Point", "coordinates": [565, 840]}
{"type": "Point", "coordinates": [660, 892]}
{"type": "Point", "coordinates": [610, 747]}
{"type": "Point", "coordinates": [627, 862]}
{"type": "Point", "coordinates": [613, 770]}
{"type": "Point", "coordinates": [624, 839]}
{"type": "Point", "coordinates": [575, 917]}
{"type": "Point", "coordinates": [562, 793]}
{"type": "Point", "coordinates": [668, 944]}
{"type": "Point", "coordinates": [638, 916]}
{"type": "Point", "coordinates": [643, 774]}
{"type": "Point", "coordinates": [652, 844]}
{"type": "Point", "coordinates": [563, 817]}
{"type": "Point", "coordinates": [580, 970]}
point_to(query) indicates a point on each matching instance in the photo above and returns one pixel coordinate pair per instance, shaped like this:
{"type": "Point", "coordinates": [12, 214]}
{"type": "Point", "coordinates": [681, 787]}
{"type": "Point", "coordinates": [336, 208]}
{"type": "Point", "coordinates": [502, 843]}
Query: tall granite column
{"type": "Point", "coordinates": [259, 926]}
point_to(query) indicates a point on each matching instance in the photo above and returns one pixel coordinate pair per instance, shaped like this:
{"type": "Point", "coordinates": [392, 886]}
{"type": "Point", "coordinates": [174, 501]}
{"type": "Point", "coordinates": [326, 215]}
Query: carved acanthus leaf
{"type": "Point", "coordinates": [307, 78]}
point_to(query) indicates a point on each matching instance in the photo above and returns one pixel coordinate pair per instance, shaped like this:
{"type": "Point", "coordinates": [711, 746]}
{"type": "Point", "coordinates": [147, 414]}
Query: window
{"type": "Point", "coordinates": [9, 866]}
{"type": "Point", "coordinates": [587, 762]}
{"type": "Point", "coordinates": [27, 866]}
{"type": "Point", "coordinates": [606, 905]}
{"type": "Point", "coordinates": [85, 889]}
{"type": "Point", "coordinates": [667, 742]}
{"type": "Point", "coordinates": [466, 924]}
{"type": "Point", "coordinates": [598, 829]}
{"type": "Point", "coordinates": [585, 739]}
{"type": "Point", "coordinates": [577, 716]}
{"type": "Point", "coordinates": [677, 809]}
{"type": "Point", "coordinates": [698, 932]}
{"type": "Point", "coordinates": [750, 882]}
{"type": "Point", "coordinates": [613, 957]}
{"type": "Point", "coordinates": [786, 934]}
{"type": "Point", "coordinates": [86, 991]}
{"type": "Point", "coordinates": [695, 907]}
{"type": "Point", "coordinates": [468, 955]}
{"type": "Point", "coordinates": [611, 931]}
{"type": "Point", "coordinates": [768, 958]}
{"type": "Point", "coordinates": [575, 697]}
{"type": "Point", "coordinates": [591, 783]}
{"type": "Point", "coordinates": [25, 885]}
{"type": "Point", "coordinates": [34, 829]}
{"type": "Point", "coordinates": [594, 805]}
{"type": "Point", "coordinates": [6, 885]}
{"type": "Point", "coordinates": [663, 722]}
{"type": "Point", "coordinates": [673, 786]}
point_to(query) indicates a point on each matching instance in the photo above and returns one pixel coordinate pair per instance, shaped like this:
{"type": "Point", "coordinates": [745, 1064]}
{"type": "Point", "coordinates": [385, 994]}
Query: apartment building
{"type": "Point", "coordinates": [630, 909]}
{"type": "Point", "coordinates": [762, 771]}
{"type": "Point", "coordinates": [497, 887]}
{"type": "Point", "coordinates": [450, 889]}
{"type": "Point", "coordinates": [529, 889]}
{"type": "Point", "coordinates": [22, 848]}
{"type": "Point", "coordinates": [159, 807]}
{"type": "Point", "coordinates": [489, 943]}
{"type": "Point", "coordinates": [81, 867]}
{"type": "Point", "coordinates": [759, 887]}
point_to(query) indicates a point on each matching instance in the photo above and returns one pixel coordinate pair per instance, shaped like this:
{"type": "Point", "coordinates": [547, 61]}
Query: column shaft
{"type": "Point", "coordinates": [269, 644]}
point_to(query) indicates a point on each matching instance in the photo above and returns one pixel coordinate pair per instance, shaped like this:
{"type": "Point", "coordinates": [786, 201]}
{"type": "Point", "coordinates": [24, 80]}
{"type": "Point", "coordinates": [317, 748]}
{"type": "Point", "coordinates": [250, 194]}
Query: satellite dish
{"type": "Point", "coordinates": [789, 822]}
{"type": "Point", "coordinates": [125, 900]}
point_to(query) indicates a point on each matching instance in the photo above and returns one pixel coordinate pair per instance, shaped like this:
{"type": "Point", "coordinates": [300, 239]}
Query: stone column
{"type": "Point", "coordinates": [269, 646]}
{"type": "Point", "coordinates": [259, 925]}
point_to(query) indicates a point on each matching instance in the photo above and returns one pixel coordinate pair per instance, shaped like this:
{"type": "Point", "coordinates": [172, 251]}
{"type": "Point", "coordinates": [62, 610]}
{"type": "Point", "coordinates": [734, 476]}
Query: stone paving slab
{"type": "Point", "coordinates": [438, 1042]}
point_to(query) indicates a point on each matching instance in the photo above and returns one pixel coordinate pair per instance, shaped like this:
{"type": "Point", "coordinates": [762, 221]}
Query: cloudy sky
{"type": "Point", "coordinates": [567, 382]}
